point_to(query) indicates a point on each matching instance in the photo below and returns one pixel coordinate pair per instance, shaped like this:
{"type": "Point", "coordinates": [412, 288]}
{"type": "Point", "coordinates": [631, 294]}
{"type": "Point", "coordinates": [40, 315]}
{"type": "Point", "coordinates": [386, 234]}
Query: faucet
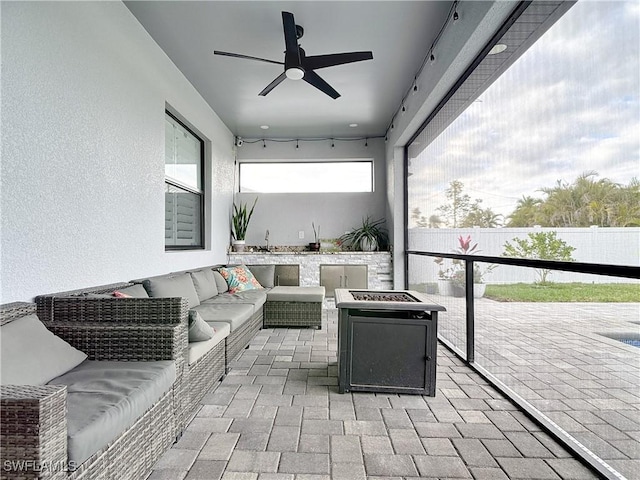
{"type": "Point", "coordinates": [266, 237]}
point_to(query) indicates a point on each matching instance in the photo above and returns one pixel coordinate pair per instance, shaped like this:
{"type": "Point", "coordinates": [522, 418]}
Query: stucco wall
{"type": "Point", "coordinates": [84, 89]}
{"type": "Point", "coordinates": [285, 215]}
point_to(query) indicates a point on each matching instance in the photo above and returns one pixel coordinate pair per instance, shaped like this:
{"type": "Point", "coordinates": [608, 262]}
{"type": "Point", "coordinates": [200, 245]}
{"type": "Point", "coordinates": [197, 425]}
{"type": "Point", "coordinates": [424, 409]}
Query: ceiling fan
{"type": "Point", "coordinates": [297, 65]}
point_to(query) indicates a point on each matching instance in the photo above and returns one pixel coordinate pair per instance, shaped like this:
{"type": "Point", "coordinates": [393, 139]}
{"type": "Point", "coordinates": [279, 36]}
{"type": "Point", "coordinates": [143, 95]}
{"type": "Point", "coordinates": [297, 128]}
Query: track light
{"type": "Point", "coordinates": [264, 145]}
{"type": "Point", "coordinates": [404, 109]}
{"type": "Point", "coordinates": [332, 143]}
{"type": "Point", "coordinates": [432, 57]}
{"type": "Point", "coordinates": [366, 142]}
{"type": "Point", "coordinates": [297, 144]}
{"type": "Point", "coordinates": [455, 16]}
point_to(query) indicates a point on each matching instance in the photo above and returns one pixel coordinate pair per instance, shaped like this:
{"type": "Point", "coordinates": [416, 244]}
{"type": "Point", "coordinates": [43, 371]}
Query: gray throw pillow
{"type": "Point", "coordinates": [220, 282]}
{"type": "Point", "coordinates": [32, 355]}
{"type": "Point", "coordinates": [265, 274]}
{"type": "Point", "coordinates": [176, 286]}
{"type": "Point", "coordinates": [199, 330]}
{"type": "Point", "coordinates": [205, 284]}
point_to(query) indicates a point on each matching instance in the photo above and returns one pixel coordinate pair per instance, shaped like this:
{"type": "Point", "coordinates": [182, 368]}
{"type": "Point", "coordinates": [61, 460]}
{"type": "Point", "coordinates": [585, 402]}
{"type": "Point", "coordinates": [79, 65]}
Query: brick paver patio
{"type": "Point", "coordinates": [278, 416]}
{"type": "Point", "coordinates": [558, 357]}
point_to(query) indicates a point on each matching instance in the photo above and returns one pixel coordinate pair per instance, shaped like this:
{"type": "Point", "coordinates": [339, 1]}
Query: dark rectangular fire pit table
{"type": "Point", "coordinates": [387, 341]}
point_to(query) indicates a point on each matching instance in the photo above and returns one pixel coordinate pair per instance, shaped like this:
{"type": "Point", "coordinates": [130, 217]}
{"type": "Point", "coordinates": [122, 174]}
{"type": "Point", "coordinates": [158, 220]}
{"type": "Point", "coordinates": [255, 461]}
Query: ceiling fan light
{"type": "Point", "coordinates": [294, 73]}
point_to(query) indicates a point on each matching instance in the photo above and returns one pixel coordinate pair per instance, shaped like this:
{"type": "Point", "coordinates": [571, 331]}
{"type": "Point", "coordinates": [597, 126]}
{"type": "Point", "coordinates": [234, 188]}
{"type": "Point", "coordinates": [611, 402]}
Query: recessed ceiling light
{"type": "Point", "coordinates": [497, 48]}
{"type": "Point", "coordinates": [353, 125]}
{"type": "Point", "coordinates": [264, 127]}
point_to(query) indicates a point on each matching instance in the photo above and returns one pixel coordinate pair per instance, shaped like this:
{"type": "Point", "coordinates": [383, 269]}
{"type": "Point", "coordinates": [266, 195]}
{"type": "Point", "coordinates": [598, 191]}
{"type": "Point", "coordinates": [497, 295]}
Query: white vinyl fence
{"type": "Point", "coordinates": [615, 246]}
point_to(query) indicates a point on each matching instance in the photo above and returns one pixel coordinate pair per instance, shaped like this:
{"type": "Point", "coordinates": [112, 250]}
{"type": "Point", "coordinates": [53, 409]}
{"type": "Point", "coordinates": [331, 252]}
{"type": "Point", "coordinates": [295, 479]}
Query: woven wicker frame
{"type": "Point", "coordinates": [240, 338]}
{"type": "Point", "coordinates": [142, 329]}
{"type": "Point", "coordinates": [201, 377]}
{"type": "Point", "coordinates": [34, 431]}
{"type": "Point", "coordinates": [33, 418]}
{"type": "Point", "coordinates": [293, 314]}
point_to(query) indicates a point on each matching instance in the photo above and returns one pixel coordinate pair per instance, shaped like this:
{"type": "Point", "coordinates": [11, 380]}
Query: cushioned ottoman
{"type": "Point", "coordinates": [294, 307]}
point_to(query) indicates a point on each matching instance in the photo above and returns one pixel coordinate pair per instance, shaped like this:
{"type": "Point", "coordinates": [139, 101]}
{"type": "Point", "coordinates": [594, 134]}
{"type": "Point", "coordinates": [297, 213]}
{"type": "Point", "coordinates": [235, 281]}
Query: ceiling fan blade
{"type": "Point", "coordinates": [273, 84]}
{"type": "Point", "coordinates": [290, 36]}
{"type": "Point", "coordinates": [321, 61]}
{"type": "Point", "coordinates": [314, 79]}
{"type": "Point", "coordinates": [247, 57]}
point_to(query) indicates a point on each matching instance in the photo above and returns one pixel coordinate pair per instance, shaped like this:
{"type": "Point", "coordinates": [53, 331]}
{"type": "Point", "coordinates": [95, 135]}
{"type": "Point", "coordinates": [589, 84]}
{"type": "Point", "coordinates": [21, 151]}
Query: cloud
{"type": "Point", "coordinates": [570, 104]}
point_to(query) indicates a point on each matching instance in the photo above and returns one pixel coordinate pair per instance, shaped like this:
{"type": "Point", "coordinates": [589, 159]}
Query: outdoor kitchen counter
{"type": "Point", "coordinates": [379, 265]}
{"type": "Point", "coordinates": [387, 341]}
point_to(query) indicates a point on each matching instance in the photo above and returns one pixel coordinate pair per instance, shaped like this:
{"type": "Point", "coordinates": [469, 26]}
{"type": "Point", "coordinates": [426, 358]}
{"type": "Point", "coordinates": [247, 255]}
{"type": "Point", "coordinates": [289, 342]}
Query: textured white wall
{"type": "Point", "coordinates": [84, 89]}
{"type": "Point", "coordinates": [284, 215]}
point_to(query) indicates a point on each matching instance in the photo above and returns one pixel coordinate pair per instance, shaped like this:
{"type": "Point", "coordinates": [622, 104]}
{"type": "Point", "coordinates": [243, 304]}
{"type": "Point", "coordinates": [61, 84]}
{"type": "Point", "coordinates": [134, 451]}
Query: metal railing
{"type": "Point", "coordinates": [468, 354]}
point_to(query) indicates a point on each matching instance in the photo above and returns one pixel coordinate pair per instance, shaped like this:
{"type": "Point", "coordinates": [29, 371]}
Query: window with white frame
{"type": "Point", "coordinates": [184, 186]}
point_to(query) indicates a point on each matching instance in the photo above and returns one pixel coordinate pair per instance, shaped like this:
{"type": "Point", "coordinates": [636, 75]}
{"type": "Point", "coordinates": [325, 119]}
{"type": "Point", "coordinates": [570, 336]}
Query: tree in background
{"type": "Point", "coordinates": [540, 246]}
{"type": "Point", "coordinates": [435, 221]}
{"type": "Point", "coordinates": [526, 214]}
{"type": "Point", "coordinates": [481, 217]}
{"type": "Point", "coordinates": [585, 202]}
{"type": "Point", "coordinates": [459, 205]}
{"type": "Point", "coordinates": [462, 212]}
{"type": "Point", "coordinates": [421, 220]}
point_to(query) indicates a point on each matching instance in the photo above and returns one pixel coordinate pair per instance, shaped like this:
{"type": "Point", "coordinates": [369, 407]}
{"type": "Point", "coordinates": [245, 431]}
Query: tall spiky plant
{"type": "Point", "coordinates": [240, 220]}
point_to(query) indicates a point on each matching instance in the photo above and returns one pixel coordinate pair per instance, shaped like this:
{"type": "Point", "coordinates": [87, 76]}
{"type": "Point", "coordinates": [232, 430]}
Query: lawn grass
{"type": "Point", "coordinates": [565, 292]}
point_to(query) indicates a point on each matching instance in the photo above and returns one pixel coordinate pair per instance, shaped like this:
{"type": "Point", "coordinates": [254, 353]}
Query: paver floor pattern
{"type": "Point", "coordinates": [278, 415]}
{"type": "Point", "coordinates": [557, 356]}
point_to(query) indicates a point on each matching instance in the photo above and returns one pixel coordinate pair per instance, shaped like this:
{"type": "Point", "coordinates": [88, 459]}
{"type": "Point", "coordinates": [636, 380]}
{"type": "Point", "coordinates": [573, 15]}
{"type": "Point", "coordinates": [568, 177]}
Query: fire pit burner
{"type": "Point", "coordinates": [383, 297]}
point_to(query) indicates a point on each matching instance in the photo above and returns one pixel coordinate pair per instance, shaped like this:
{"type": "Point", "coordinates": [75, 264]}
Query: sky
{"type": "Point", "coordinates": [569, 105]}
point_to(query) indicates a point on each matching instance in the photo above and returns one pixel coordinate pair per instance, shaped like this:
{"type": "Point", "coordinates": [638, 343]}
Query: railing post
{"type": "Point", "coordinates": [470, 310]}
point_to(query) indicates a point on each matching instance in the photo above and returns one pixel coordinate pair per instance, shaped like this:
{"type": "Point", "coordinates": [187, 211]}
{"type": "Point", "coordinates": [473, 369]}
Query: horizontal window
{"type": "Point", "coordinates": [307, 177]}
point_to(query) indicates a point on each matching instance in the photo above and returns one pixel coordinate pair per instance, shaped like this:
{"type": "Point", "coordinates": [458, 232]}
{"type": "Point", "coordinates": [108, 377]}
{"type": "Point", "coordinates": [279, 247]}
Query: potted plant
{"type": "Point", "coordinates": [239, 223]}
{"type": "Point", "coordinates": [315, 246]}
{"type": "Point", "coordinates": [370, 236]}
{"type": "Point", "coordinates": [452, 279]}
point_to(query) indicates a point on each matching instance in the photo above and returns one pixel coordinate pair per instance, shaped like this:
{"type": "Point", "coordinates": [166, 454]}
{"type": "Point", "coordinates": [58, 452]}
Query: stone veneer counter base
{"type": "Point", "coordinates": [379, 264]}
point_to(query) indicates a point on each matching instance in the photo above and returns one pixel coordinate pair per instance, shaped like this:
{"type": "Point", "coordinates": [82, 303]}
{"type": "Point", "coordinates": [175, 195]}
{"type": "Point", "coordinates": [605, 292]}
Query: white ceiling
{"type": "Point", "coordinates": [399, 33]}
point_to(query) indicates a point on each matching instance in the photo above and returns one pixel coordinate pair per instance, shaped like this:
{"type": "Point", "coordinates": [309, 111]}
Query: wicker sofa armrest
{"type": "Point", "coordinates": [33, 420]}
{"type": "Point", "coordinates": [124, 341]}
{"type": "Point", "coordinates": [119, 328]}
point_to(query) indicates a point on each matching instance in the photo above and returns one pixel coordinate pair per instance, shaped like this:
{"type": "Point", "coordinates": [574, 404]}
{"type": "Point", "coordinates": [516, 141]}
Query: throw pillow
{"type": "Point", "coordinates": [199, 330]}
{"type": "Point", "coordinates": [33, 355]}
{"type": "Point", "coordinates": [136, 291]}
{"type": "Point", "coordinates": [119, 294]}
{"type": "Point", "coordinates": [239, 278]}
{"type": "Point", "coordinates": [177, 286]}
{"type": "Point", "coordinates": [265, 274]}
{"type": "Point", "coordinates": [205, 284]}
{"type": "Point", "coordinates": [221, 283]}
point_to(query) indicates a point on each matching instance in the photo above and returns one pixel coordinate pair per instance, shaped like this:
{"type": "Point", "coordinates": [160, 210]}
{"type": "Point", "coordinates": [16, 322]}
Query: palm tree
{"type": "Point", "coordinates": [526, 214]}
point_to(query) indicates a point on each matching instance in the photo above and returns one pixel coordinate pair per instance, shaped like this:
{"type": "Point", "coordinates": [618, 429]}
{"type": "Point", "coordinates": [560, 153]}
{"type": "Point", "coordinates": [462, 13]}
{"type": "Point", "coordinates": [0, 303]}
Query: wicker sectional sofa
{"type": "Point", "coordinates": [70, 427]}
{"type": "Point", "coordinates": [145, 320]}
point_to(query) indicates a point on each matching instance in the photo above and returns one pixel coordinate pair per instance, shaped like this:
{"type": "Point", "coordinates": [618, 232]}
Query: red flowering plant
{"type": "Point", "coordinates": [456, 272]}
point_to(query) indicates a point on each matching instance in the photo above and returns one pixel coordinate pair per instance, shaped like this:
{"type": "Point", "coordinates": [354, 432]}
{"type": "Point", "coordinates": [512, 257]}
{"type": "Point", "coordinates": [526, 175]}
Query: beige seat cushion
{"type": "Point", "coordinates": [233, 314]}
{"type": "Point", "coordinates": [296, 294]}
{"type": "Point", "coordinates": [198, 349]}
